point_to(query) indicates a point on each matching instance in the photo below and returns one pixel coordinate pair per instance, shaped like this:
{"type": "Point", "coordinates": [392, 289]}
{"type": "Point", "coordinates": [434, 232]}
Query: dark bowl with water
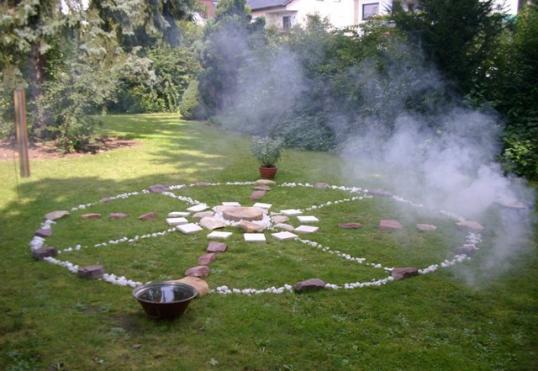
{"type": "Point", "coordinates": [164, 300]}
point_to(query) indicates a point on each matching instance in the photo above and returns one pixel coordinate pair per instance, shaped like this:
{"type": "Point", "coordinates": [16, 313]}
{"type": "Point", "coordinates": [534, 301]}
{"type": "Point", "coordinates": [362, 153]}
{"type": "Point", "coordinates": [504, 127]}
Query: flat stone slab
{"type": "Point", "coordinates": [279, 219]}
{"type": "Point", "coordinates": [158, 188]}
{"type": "Point", "coordinates": [257, 195]}
{"type": "Point", "coordinates": [189, 228]}
{"type": "Point", "coordinates": [307, 219]}
{"type": "Point", "coordinates": [404, 272]}
{"type": "Point", "coordinates": [207, 259]}
{"type": "Point", "coordinates": [44, 252]}
{"type": "Point", "coordinates": [254, 237]}
{"type": "Point", "coordinates": [198, 271]}
{"type": "Point", "coordinates": [43, 232]}
{"type": "Point", "coordinates": [148, 216]}
{"type": "Point", "coordinates": [321, 185]}
{"type": "Point", "coordinates": [218, 235]}
{"type": "Point", "coordinates": [426, 227]}
{"type": "Point", "coordinates": [350, 225]}
{"type": "Point", "coordinates": [291, 212]}
{"type": "Point", "coordinates": [58, 214]}
{"type": "Point", "coordinates": [199, 284]}
{"type": "Point", "coordinates": [231, 204]}
{"type": "Point", "coordinates": [202, 214]}
{"type": "Point", "coordinates": [117, 216]}
{"type": "Point", "coordinates": [311, 284]}
{"type": "Point", "coordinates": [284, 236]}
{"type": "Point", "coordinates": [178, 214]}
{"type": "Point", "coordinates": [211, 223]}
{"type": "Point", "coordinates": [389, 225]}
{"type": "Point", "coordinates": [265, 182]}
{"type": "Point", "coordinates": [261, 205]}
{"type": "Point", "coordinates": [379, 193]}
{"type": "Point", "coordinates": [216, 247]}
{"type": "Point", "coordinates": [91, 271]}
{"type": "Point", "coordinates": [286, 227]}
{"type": "Point", "coordinates": [306, 229]}
{"type": "Point", "coordinates": [243, 213]}
{"type": "Point", "coordinates": [91, 216]}
{"type": "Point", "coordinates": [250, 227]}
{"type": "Point", "coordinates": [470, 225]}
{"type": "Point", "coordinates": [197, 208]}
{"type": "Point", "coordinates": [177, 221]}
{"type": "Point", "coordinates": [261, 187]}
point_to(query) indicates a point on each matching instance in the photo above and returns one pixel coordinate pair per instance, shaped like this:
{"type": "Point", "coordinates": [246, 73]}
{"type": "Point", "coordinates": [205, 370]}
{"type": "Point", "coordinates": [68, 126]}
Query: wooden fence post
{"type": "Point", "coordinates": [22, 131]}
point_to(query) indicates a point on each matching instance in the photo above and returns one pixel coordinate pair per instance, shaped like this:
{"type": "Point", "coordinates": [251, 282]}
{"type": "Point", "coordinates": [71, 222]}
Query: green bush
{"type": "Point", "coordinates": [266, 150]}
{"type": "Point", "coordinates": [191, 108]}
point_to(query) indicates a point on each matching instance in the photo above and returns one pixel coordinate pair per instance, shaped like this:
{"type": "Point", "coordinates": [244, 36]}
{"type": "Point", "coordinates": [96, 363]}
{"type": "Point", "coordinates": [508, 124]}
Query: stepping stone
{"type": "Point", "coordinates": [44, 252]}
{"type": "Point", "coordinates": [55, 215]}
{"type": "Point", "coordinates": [426, 227]}
{"type": "Point", "coordinates": [379, 193]}
{"type": "Point", "coordinates": [218, 235]}
{"type": "Point", "coordinates": [389, 225]}
{"type": "Point", "coordinates": [202, 214]}
{"type": "Point", "coordinates": [321, 185]}
{"type": "Point", "coordinates": [307, 219]}
{"type": "Point", "coordinates": [261, 187]}
{"type": "Point", "coordinates": [199, 284]}
{"type": "Point", "coordinates": [405, 272]}
{"type": "Point", "coordinates": [189, 228]}
{"type": "Point", "coordinates": [91, 271]}
{"type": "Point", "coordinates": [257, 195]}
{"type": "Point", "coordinates": [284, 236]}
{"type": "Point", "coordinates": [254, 237]}
{"type": "Point", "coordinates": [216, 247]}
{"type": "Point", "coordinates": [286, 227]}
{"type": "Point", "coordinates": [243, 213]}
{"type": "Point", "coordinates": [291, 212]}
{"type": "Point", "coordinates": [262, 205]}
{"type": "Point", "coordinates": [198, 271]}
{"type": "Point", "coordinates": [178, 214]}
{"type": "Point", "coordinates": [470, 225]}
{"type": "Point", "coordinates": [312, 284]}
{"type": "Point", "coordinates": [158, 188]}
{"type": "Point", "coordinates": [516, 205]}
{"type": "Point", "coordinates": [176, 221]}
{"type": "Point", "coordinates": [231, 204]}
{"type": "Point", "coordinates": [148, 216]}
{"type": "Point", "coordinates": [211, 223]}
{"type": "Point", "coordinates": [468, 250]}
{"type": "Point", "coordinates": [91, 216]}
{"type": "Point", "coordinates": [250, 227]}
{"type": "Point", "coordinates": [197, 208]}
{"type": "Point", "coordinates": [43, 232]}
{"type": "Point", "coordinates": [207, 259]}
{"type": "Point", "coordinates": [265, 182]}
{"type": "Point", "coordinates": [280, 219]}
{"type": "Point", "coordinates": [350, 225]}
{"type": "Point", "coordinates": [306, 229]}
{"type": "Point", "coordinates": [117, 216]}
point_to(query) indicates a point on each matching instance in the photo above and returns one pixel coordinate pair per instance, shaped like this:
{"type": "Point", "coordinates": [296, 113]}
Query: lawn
{"type": "Point", "coordinates": [54, 320]}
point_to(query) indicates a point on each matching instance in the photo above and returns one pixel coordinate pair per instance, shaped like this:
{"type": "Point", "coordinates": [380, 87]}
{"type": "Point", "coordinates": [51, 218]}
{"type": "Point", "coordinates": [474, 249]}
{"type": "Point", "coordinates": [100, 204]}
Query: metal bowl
{"type": "Point", "coordinates": [164, 300]}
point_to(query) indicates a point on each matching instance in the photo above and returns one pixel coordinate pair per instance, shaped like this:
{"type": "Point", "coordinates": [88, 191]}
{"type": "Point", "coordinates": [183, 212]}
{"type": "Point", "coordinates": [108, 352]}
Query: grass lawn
{"type": "Point", "coordinates": [53, 320]}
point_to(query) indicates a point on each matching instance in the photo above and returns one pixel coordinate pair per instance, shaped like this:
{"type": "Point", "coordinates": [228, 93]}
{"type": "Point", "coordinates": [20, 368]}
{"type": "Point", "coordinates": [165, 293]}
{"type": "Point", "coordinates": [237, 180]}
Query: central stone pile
{"type": "Point", "coordinates": [237, 214]}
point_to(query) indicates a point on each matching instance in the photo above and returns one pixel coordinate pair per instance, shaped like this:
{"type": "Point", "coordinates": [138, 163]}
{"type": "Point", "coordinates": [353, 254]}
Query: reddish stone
{"type": "Point", "coordinates": [91, 216]}
{"type": "Point", "coordinates": [257, 195]}
{"type": "Point", "coordinates": [116, 216]}
{"type": "Point", "coordinates": [158, 188]}
{"type": "Point", "coordinates": [207, 259]}
{"type": "Point", "coordinates": [43, 232]}
{"type": "Point", "coordinates": [243, 213]}
{"type": "Point", "coordinates": [470, 225]}
{"type": "Point", "coordinates": [350, 225]}
{"type": "Point", "coordinates": [198, 271]}
{"type": "Point", "coordinates": [309, 285]}
{"type": "Point", "coordinates": [44, 252]}
{"type": "Point", "coordinates": [261, 187]}
{"type": "Point", "coordinates": [389, 225]}
{"type": "Point", "coordinates": [426, 227]}
{"type": "Point", "coordinates": [216, 247]}
{"type": "Point", "coordinates": [249, 227]}
{"type": "Point", "coordinates": [58, 214]}
{"type": "Point", "coordinates": [91, 271]}
{"type": "Point", "coordinates": [404, 272]}
{"type": "Point", "coordinates": [148, 216]}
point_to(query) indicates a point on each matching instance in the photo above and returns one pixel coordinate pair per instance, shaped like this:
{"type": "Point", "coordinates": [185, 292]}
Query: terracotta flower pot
{"type": "Point", "coordinates": [268, 172]}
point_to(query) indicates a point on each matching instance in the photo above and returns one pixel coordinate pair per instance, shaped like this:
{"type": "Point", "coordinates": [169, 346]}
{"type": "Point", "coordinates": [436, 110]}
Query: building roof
{"type": "Point", "coordinates": [265, 4]}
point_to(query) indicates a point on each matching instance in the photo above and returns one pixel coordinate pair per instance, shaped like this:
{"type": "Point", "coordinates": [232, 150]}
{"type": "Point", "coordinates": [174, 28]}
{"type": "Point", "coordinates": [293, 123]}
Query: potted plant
{"type": "Point", "coordinates": [267, 151]}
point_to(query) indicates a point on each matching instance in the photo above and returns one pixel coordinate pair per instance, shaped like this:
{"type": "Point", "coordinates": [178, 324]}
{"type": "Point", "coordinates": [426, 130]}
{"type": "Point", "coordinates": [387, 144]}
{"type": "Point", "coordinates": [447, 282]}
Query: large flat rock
{"type": "Point", "coordinates": [242, 213]}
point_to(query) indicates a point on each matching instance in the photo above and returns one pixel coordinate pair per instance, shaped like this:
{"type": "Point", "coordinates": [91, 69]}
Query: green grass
{"type": "Point", "coordinates": [51, 319]}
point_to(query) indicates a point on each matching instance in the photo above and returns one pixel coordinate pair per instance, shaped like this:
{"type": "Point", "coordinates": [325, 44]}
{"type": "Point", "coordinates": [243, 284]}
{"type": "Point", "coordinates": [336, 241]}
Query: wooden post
{"type": "Point", "coordinates": [22, 131]}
